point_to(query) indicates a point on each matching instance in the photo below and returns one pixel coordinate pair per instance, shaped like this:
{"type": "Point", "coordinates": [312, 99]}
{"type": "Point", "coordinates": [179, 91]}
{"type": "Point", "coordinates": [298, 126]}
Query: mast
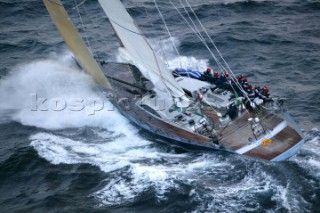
{"type": "Point", "coordinates": [74, 41]}
{"type": "Point", "coordinates": [140, 51]}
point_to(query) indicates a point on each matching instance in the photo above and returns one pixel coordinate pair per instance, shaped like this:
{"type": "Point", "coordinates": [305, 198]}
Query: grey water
{"type": "Point", "coordinates": [80, 161]}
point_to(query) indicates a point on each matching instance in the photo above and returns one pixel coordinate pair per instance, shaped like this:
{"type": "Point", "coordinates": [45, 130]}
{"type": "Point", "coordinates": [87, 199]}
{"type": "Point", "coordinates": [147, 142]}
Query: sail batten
{"type": "Point", "coordinates": [140, 51]}
{"type": "Point", "coordinates": [74, 41]}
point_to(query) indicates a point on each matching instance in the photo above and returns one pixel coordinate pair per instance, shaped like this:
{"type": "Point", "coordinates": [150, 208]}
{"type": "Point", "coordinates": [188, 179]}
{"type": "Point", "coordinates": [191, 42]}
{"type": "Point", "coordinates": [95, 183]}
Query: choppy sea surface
{"type": "Point", "coordinates": [55, 160]}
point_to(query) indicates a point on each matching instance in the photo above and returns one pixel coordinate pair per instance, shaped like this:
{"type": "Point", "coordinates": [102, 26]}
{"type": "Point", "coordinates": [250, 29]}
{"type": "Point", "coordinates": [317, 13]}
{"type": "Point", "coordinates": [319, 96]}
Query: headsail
{"type": "Point", "coordinates": [144, 57]}
{"type": "Point", "coordinates": [74, 41]}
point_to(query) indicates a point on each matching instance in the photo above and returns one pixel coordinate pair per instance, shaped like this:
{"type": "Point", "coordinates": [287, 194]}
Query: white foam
{"type": "Point", "coordinates": [135, 167]}
{"type": "Point", "coordinates": [130, 153]}
{"type": "Point", "coordinates": [52, 80]}
{"type": "Point", "coordinates": [165, 49]}
{"type": "Point", "coordinates": [108, 156]}
{"type": "Point", "coordinates": [308, 156]}
{"type": "Point", "coordinates": [111, 156]}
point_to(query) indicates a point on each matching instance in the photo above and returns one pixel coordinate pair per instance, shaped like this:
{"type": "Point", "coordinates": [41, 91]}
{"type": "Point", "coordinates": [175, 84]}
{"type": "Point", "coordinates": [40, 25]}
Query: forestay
{"type": "Point", "coordinates": [140, 51]}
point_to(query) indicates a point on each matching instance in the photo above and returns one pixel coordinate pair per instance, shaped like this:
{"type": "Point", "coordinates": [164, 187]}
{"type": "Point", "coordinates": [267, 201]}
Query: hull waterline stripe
{"type": "Point", "coordinates": [292, 151]}
{"type": "Point", "coordinates": [257, 143]}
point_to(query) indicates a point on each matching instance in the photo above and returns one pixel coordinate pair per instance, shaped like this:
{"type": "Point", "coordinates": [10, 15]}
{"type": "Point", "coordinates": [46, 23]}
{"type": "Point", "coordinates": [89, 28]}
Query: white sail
{"type": "Point", "coordinates": [142, 54]}
{"type": "Point", "coordinates": [74, 41]}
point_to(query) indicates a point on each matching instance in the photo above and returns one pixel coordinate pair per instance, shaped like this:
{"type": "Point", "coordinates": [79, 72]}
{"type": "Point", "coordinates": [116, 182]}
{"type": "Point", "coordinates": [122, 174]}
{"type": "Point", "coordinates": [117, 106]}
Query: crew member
{"type": "Point", "coordinates": [232, 111]}
{"type": "Point", "coordinates": [245, 86]}
{"type": "Point", "coordinates": [247, 104]}
{"type": "Point", "coordinates": [265, 94]}
{"type": "Point", "coordinates": [244, 80]}
{"type": "Point", "coordinates": [240, 77]}
{"type": "Point", "coordinates": [257, 91]}
{"type": "Point", "coordinates": [224, 81]}
{"type": "Point", "coordinates": [216, 77]}
{"type": "Point", "coordinates": [251, 93]}
{"type": "Point", "coordinates": [207, 76]}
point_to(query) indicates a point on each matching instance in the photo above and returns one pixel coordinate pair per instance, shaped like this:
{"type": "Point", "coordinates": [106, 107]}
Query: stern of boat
{"type": "Point", "coordinates": [269, 136]}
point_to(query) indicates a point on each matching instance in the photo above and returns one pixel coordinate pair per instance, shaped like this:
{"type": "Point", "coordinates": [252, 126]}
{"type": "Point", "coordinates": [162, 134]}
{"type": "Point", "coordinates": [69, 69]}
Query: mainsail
{"type": "Point", "coordinates": [74, 41]}
{"type": "Point", "coordinates": [144, 57]}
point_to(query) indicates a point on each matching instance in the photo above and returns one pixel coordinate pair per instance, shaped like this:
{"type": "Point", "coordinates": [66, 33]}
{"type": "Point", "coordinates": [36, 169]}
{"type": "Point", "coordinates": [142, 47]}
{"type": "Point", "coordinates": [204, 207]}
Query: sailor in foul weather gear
{"type": "Point", "coordinates": [265, 94]}
{"type": "Point", "coordinates": [216, 77]}
{"type": "Point", "coordinates": [244, 80]}
{"type": "Point", "coordinates": [248, 104]}
{"type": "Point", "coordinates": [207, 76]}
{"type": "Point", "coordinates": [232, 111]}
{"type": "Point", "coordinates": [251, 93]}
{"type": "Point", "coordinates": [224, 81]}
{"type": "Point", "coordinates": [245, 86]}
{"type": "Point", "coordinates": [240, 77]}
{"type": "Point", "coordinates": [257, 91]}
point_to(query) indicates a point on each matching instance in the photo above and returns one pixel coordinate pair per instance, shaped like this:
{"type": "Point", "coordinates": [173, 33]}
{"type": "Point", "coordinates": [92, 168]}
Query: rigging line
{"type": "Point", "coordinates": [155, 58]}
{"type": "Point", "coordinates": [140, 33]}
{"type": "Point", "coordinates": [83, 27]}
{"type": "Point", "coordinates": [233, 75]}
{"type": "Point", "coordinates": [165, 24]}
{"type": "Point", "coordinates": [86, 12]}
{"type": "Point", "coordinates": [170, 38]}
{"type": "Point", "coordinates": [179, 57]}
{"type": "Point", "coordinates": [189, 25]}
{"type": "Point", "coordinates": [203, 41]}
{"type": "Point", "coordinates": [154, 55]}
{"type": "Point", "coordinates": [161, 40]}
{"type": "Point", "coordinates": [81, 3]}
{"type": "Point", "coordinates": [208, 35]}
{"type": "Point", "coordinates": [125, 28]}
{"type": "Point", "coordinates": [196, 32]}
{"type": "Point", "coordinates": [199, 35]}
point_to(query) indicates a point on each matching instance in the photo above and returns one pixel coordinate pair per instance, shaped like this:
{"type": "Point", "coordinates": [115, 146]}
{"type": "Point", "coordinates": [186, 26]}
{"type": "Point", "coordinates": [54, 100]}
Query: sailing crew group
{"type": "Point", "coordinates": [225, 82]}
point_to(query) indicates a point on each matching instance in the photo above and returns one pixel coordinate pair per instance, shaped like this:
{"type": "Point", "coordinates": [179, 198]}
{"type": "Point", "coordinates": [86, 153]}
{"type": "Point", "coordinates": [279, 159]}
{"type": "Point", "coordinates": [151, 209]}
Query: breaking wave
{"type": "Point", "coordinates": [55, 94]}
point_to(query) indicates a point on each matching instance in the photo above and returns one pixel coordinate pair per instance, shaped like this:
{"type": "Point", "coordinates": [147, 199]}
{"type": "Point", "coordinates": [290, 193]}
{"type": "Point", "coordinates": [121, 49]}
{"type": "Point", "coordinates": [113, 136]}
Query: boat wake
{"type": "Point", "coordinates": [138, 171]}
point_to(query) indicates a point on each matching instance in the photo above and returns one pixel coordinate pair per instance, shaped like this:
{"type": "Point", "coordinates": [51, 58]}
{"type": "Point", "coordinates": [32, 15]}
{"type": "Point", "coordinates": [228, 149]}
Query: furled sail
{"type": "Point", "coordinates": [140, 51]}
{"type": "Point", "coordinates": [74, 41]}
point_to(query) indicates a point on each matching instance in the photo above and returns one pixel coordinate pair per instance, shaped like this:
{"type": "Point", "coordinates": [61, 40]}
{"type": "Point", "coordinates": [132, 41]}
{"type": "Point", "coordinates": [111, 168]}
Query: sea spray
{"type": "Point", "coordinates": [49, 94]}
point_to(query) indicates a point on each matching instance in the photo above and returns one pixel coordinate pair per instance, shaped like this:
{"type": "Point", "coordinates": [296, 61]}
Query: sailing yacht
{"type": "Point", "coordinates": [181, 111]}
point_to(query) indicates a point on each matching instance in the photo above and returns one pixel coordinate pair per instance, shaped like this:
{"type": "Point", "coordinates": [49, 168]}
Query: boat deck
{"type": "Point", "coordinates": [281, 142]}
{"type": "Point", "coordinates": [237, 136]}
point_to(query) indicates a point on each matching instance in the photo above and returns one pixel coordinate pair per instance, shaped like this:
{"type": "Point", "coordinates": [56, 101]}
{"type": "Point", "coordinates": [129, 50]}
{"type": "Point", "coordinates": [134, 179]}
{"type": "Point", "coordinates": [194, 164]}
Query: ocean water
{"type": "Point", "coordinates": [54, 160]}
